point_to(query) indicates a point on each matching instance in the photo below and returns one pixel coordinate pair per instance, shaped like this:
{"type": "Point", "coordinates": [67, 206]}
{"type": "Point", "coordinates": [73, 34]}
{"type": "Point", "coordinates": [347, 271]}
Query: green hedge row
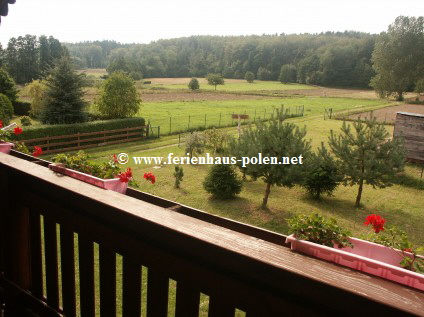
{"type": "Point", "coordinates": [67, 129]}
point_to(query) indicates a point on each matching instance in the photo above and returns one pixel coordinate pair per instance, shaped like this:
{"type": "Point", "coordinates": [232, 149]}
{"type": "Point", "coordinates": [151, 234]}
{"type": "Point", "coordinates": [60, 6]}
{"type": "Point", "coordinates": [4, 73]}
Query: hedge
{"type": "Point", "coordinates": [21, 108]}
{"type": "Point", "coordinates": [36, 132]}
{"type": "Point", "coordinates": [6, 109]}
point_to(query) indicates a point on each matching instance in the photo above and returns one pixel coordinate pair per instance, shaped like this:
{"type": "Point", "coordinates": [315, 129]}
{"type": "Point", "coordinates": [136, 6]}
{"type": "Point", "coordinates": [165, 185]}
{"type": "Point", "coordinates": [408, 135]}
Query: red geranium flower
{"type": "Point", "coordinates": [129, 172]}
{"type": "Point", "coordinates": [114, 158]}
{"type": "Point", "coordinates": [408, 250]}
{"type": "Point", "coordinates": [37, 151]}
{"type": "Point", "coordinates": [376, 221]}
{"type": "Point", "coordinates": [1, 124]}
{"type": "Point", "coordinates": [150, 177]}
{"type": "Point", "coordinates": [17, 130]}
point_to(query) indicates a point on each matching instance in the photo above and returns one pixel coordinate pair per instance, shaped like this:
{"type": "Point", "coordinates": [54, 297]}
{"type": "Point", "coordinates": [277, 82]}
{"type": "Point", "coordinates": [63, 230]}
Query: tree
{"type": "Point", "coordinates": [250, 77]}
{"type": "Point", "coordinates": [398, 57]}
{"type": "Point", "coordinates": [64, 95]}
{"type": "Point", "coordinates": [275, 139]}
{"type": "Point", "coordinates": [263, 74]}
{"type": "Point", "coordinates": [215, 79]}
{"type": "Point", "coordinates": [222, 181]}
{"type": "Point", "coordinates": [178, 174]}
{"type": "Point", "coordinates": [37, 92]}
{"type": "Point", "coordinates": [321, 175]}
{"type": "Point", "coordinates": [7, 86]}
{"type": "Point", "coordinates": [195, 144]}
{"type": "Point", "coordinates": [419, 86]}
{"type": "Point", "coordinates": [6, 109]}
{"type": "Point", "coordinates": [194, 84]}
{"type": "Point", "coordinates": [366, 155]}
{"type": "Point", "coordinates": [118, 97]}
{"type": "Point", "coordinates": [288, 74]}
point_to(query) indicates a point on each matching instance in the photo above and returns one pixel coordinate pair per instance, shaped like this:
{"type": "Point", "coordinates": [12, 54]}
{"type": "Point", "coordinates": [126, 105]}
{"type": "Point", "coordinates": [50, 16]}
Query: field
{"type": "Point", "coordinates": [168, 103]}
{"type": "Point", "coordinates": [388, 114]}
{"type": "Point", "coordinates": [400, 204]}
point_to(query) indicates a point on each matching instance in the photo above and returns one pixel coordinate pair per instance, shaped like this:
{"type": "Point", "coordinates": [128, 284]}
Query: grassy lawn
{"type": "Point", "coordinates": [400, 204]}
{"type": "Point", "coordinates": [218, 113]}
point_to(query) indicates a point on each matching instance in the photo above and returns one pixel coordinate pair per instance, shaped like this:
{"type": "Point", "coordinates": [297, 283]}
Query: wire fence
{"type": "Point", "coordinates": [186, 123]}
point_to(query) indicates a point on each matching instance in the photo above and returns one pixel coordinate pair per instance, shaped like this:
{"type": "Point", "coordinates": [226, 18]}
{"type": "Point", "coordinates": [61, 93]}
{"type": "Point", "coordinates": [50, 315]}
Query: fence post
{"type": "Point", "coordinates": [147, 130]}
{"type": "Point", "coordinates": [170, 125]}
{"type": "Point", "coordinates": [188, 127]}
{"type": "Point", "coordinates": [205, 121]}
{"type": "Point", "coordinates": [232, 119]}
{"type": "Point", "coordinates": [79, 139]}
{"type": "Point", "coordinates": [219, 124]}
{"type": "Point", "coordinates": [179, 139]}
{"type": "Point", "coordinates": [158, 132]}
{"type": "Point", "coordinates": [254, 118]}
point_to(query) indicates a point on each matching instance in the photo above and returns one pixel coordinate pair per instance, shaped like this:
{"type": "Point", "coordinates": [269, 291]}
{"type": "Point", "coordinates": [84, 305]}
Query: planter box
{"type": "Point", "coordinates": [112, 184]}
{"type": "Point", "coordinates": [5, 147]}
{"type": "Point", "coordinates": [365, 256]}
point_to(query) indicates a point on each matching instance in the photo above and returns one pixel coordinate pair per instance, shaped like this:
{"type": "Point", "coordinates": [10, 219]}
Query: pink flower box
{"type": "Point", "coordinates": [365, 256]}
{"type": "Point", "coordinates": [112, 184]}
{"type": "Point", "coordinates": [5, 147]}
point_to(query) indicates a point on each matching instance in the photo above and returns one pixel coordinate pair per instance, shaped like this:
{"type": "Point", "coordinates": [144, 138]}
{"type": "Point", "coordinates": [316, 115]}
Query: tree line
{"type": "Point", "coordinates": [333, 59]}
{"type": "Point", "coordinates": [30, 57]}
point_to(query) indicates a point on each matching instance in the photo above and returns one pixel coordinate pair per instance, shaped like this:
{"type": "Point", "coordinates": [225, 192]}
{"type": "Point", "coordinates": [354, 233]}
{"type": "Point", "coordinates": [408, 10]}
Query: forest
{"type": "Point", "coordinates": [329, 59]}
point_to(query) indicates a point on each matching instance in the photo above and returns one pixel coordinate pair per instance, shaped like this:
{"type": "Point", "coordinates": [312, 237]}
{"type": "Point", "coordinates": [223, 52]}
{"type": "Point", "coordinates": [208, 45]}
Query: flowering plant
{"type": "Point", "coordinates": [110, 169]}
{"type": "Point", "coordinates": [19, 146]}
{"type": "Point", "coordinates": [397, 240]}
{"type": "Point", "coordinates": [318, 229]}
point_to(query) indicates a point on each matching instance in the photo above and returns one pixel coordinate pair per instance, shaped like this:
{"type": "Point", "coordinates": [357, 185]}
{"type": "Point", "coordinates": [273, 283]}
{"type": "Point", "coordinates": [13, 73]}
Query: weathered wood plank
{"type": "Point", "coordinates": [107, 259]}
{"type": "Point", "coordinates": [68, 270]}
{"type": "Point", "coordinates": [86, 270]}
{"type": "Point", "coordinates": [52, 273]}
{"type": "Point", "coordinates": [131, 287]}
{"type": "Point", "coordinates": [157, 293]}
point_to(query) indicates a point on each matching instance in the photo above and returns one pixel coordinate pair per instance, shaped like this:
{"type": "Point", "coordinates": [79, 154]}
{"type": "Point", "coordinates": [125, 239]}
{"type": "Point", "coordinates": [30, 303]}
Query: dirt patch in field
{"type": "Point", "coordinates": [181, 96]}
{"type": "Point", "coordinates": [388, 114]}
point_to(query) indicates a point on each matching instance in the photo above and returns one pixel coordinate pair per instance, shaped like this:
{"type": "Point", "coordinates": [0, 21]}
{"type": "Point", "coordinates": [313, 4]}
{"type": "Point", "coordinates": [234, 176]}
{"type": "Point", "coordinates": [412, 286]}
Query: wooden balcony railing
{"type": "Point", "coordinates": [69, 248]}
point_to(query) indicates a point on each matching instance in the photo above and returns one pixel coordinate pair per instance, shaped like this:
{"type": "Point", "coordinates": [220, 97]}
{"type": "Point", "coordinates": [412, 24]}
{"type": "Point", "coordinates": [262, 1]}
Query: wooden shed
{"type": "Point", "coordinates": [411, 127]}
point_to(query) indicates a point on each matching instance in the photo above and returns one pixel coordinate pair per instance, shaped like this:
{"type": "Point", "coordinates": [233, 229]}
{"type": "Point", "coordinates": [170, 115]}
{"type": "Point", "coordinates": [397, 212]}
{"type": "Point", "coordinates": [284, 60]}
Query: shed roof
{"type": "Point", "coordinates": [412, 114]}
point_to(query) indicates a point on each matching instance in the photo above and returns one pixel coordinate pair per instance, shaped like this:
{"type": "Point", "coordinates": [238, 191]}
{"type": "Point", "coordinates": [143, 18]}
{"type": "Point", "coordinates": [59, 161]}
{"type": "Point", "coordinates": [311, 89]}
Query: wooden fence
{"type": "Point", "coordinates": [54, 144]}
{"type": "Point", "coordinates": [51, 228]}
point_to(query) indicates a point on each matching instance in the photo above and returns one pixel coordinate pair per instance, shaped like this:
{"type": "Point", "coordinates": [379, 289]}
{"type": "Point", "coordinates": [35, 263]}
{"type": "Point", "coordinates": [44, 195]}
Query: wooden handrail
{"type": "Point", "coordinates": [235, 269]}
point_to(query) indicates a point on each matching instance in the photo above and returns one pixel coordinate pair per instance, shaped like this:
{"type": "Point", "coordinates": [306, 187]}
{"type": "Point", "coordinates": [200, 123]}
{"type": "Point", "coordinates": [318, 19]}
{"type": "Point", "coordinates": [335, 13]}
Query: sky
{"type": "Point", "coordinates": [143, 21]}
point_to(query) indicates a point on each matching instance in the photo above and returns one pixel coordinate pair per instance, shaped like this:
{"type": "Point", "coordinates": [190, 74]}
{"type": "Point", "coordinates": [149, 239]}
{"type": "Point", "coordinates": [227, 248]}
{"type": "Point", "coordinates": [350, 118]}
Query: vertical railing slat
{"type": "Point", "coordinates": [131, 288]}
{"type": "Point", "coordinates": [86, 268]}
{"type": "Point", "coordinates": [187, 301]}
{"type": "Point", "coordinates": [107, 260]}
{"type": "Point", "coordinates": [52, 274]}
{"type": "Point", "coordinates": [157, 293]}
{"type": "Point", "coordinates": [36, 254]}
{"type": "Point", "coordinates": [68, 271]}
{"type": "Point", "coordinates": [220, 308]}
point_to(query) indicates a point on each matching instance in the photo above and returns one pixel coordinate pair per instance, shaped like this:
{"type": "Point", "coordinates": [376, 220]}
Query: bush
{"type": "Point", "coordinates": [147, 82]}
{"type": "Point", "coordinates": [37, 92]}
{"type": "Point", "coordinates": [26, 121]}
{"type": "Point", "coordinates": [21, 108]}
{"type": "Point", "coordinates": [118, 97]}
{"type": "Point", "coordinates": [6, 109]}
{"type": "Point", "coordinates": [195, 144]}
{"type": "Point", "coordinates": [178, 174]}
{"type": "Point", "coordinates": [7, 86]}
{"type": "Point", "coordinates": [66, 129]}
{"type": "Point", "coordinates": [222, 182]}
{"type": "Point", "coordinates": [250, 77]}
{"type": "Point", "coordinates": [321, 174]}
{"type": "Point", "coordinates": [194, 84]}
{"type": "Point", "coordinates": [216, 140]}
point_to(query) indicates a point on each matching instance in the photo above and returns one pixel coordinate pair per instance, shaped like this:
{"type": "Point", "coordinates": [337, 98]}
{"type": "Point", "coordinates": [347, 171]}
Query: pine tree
{"type": "Point", "coordinates": [250, 77]}
{"type": "Point", "coordinates": [64, 95]}
{"type": "Point", "coordinates": [366, 155]}
{"type": "Point", "coordinates": [222, 182]}
{"type": "Point", "coordinates": [274, 139]}
{"type": "Point", "coordinates": [321, 174]}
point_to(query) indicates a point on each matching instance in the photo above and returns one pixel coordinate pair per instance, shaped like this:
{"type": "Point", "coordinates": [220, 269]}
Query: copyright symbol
{"type": "Point", "coordinates": [123, 158]}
